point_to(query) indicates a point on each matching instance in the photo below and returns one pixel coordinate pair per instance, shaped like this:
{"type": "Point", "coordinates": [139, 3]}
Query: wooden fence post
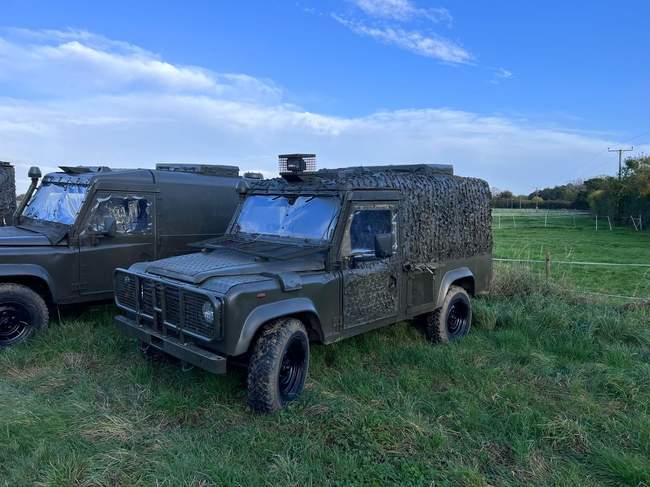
{"type": "Point", "coordinates": [547, 267]}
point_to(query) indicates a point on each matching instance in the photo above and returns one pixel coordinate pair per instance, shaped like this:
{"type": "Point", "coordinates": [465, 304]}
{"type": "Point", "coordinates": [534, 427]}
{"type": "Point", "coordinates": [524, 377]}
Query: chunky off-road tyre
{"type": "Point", "coordinates": [22, 314]}
{"type": "Point", "coordinates": [278, 365]}
{"type": "Point", "coordinates": [452, 320]}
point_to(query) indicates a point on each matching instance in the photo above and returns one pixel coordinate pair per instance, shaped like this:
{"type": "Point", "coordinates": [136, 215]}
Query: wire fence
{"type": "Point", "coordinates": [531, 218]}
{"type": "Point", "coordinates": [629, 281]}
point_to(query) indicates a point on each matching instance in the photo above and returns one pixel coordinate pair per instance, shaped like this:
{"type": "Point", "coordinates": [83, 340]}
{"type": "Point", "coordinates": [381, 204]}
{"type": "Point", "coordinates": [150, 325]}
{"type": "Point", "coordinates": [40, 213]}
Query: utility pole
{"type": "Point", "coordinates": [620, 159]}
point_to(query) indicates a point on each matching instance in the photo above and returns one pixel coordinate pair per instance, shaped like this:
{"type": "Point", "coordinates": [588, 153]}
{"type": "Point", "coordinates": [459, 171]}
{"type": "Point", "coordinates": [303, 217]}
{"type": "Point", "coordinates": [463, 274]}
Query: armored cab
{"type": "Point", "coordinates": [317, 256]}
{"type": "Point", "coordinates": [83, 222]}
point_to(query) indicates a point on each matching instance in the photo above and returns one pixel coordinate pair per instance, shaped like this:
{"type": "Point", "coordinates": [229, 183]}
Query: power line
{"type": "Point", "coordinates": [582, 170]}
{"type": "Point", "coordinates": [636, 137]}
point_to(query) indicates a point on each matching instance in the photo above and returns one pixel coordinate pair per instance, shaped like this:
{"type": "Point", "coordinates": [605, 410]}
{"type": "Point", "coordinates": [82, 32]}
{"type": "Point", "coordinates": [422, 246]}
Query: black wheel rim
{"type": "Point", "coordinates": [458, 319]}
{"type": "Point", "coordinates": [292, 369]}
{"type": "Point", "coordinates": [14, 323]}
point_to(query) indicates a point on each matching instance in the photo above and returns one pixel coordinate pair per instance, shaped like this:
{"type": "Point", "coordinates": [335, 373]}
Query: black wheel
{"type": "Point", "coordinates": [22, 313]}
{"type": "Point", "coordinates": [453, 319]}
{"type": "Point", "coordinates": [278, 366]}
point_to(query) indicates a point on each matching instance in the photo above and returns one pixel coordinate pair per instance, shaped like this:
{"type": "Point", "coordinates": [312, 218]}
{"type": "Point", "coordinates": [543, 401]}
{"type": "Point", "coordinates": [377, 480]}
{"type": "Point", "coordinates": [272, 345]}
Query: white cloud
{"type": "Point", "coordinates": [171, 115]}
{"type": "Point", "coordinates": [500, 74]}
{"type": "Point", "coordinates": [434, 47]}
{"type": "Point", "coordinates": [81, 62]}
{"type": "Point", "coordinates": [402, 10]}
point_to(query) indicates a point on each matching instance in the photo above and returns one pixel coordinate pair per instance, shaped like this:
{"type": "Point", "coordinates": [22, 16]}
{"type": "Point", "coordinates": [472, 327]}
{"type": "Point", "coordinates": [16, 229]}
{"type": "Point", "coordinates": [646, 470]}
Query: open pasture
{"type": "Point", "coordinates": [566, 237]}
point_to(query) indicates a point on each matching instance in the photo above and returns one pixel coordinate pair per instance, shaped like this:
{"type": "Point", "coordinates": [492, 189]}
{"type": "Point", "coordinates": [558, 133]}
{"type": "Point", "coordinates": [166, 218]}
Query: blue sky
{"type": "Point", "coordinates": [522, 94]}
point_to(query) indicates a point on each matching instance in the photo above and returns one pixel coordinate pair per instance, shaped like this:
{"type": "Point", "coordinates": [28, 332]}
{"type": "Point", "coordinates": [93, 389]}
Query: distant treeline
{"type": "Point", "coordinates": [610, 196]}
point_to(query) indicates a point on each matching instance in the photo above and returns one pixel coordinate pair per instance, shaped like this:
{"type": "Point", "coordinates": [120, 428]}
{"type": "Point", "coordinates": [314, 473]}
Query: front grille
{"type": "Point", "coordinates": [162, 306]}
{"type": "Point", "coordinates": [125, 292]}
{"type": "Point", "coordinates": [194, 313]}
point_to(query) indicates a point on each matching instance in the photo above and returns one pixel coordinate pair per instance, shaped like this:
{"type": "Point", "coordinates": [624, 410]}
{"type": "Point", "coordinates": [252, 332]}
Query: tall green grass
{"type": "Point", "coordinates": [548, 389]}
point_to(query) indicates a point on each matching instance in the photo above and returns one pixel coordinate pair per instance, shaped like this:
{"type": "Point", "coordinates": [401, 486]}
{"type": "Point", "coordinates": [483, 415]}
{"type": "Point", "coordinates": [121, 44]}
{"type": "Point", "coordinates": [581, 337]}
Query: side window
{"type": "Point", "coordinates": [365, 224]}
{"type": "Point", "coordinates": [132, 214]}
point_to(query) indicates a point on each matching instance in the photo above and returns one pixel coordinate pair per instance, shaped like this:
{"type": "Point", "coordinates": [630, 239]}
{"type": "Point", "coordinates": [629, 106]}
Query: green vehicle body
{"type": "Point", "coordinates": [73, 263]}
{"type": "Point", "coordinates": [250, 280]}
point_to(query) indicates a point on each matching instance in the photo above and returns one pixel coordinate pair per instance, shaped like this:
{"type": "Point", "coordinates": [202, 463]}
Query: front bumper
{"type": "Point", "coordinates": [186, 352]}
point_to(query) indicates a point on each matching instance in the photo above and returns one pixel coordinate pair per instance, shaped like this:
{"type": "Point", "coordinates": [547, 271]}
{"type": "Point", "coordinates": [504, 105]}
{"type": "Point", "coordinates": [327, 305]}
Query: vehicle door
{"type": "Point", "coordinates": [371, 283]}
{"type": "Point", "coordinates": [118, 231]}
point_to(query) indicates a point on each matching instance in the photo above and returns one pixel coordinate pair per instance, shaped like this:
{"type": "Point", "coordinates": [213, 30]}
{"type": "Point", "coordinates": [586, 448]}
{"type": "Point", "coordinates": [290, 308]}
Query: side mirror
{"type": "Point", "coordinates": [110, 226]}
{"type": "Point", "coordinates": [383, 245]}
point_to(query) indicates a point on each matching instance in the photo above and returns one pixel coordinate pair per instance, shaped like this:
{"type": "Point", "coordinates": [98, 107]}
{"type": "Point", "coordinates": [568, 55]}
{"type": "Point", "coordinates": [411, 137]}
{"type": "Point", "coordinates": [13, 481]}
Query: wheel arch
{"type": "Point", "coordinates": [32, 276]}
{"type": "Point", "coordinates": [462, 277]}
{"type": "Point", "coordinates": [300, 308]}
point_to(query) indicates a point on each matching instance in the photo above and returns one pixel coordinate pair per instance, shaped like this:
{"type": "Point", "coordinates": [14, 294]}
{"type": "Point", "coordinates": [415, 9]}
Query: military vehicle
{"type": "Point", "coordinates": [71, 233]}
{"type": "Point", "coordinates": [316, 256]}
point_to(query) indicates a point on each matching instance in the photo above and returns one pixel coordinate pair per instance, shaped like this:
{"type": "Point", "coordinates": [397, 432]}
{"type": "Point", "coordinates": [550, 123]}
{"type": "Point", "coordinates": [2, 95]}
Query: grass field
{"type": "Point", "coordinates": [529, 239]}
{"type": "Point", "coordinates": [548, 389]}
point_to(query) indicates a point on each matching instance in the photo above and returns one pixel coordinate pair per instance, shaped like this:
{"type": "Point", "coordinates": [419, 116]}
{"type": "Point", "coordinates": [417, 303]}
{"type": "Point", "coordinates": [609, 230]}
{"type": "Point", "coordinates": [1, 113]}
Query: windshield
{"type": "Point", "coordinates": [59, 203]}
{"type": "Point", "coordinates": [305, 217]}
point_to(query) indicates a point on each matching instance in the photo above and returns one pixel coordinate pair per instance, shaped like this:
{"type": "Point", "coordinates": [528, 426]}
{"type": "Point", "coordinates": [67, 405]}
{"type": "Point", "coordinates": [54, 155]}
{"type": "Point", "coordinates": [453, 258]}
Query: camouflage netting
{"type": "Point", "coordinates": [446, 217]}
{"type": "Point", "coordinates": [7, 193]}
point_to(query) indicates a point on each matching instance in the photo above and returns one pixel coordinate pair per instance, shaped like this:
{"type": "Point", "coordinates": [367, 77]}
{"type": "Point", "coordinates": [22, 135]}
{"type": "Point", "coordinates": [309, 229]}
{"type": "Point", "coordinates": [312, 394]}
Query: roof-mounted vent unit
{"type": "Point", "coordinates": [297, 163]}
{"type": "Point", "coordinates": [75, 170]}
{"type": "Point", "coordinates": [205, 169]}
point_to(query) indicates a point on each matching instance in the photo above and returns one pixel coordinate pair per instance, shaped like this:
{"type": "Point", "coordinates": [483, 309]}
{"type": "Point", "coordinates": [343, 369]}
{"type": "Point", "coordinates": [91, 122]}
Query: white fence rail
{"type": "Point", "coordinates": [530, 218]}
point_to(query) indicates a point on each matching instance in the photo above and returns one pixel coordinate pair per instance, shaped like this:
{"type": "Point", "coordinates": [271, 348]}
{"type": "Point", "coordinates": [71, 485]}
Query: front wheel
{"type": "Point", "coordinates": [278, 365]}
{"type": "Point", "coordinates": [22, 313]}
{"type": "Point", "coordinates": [453, 319]}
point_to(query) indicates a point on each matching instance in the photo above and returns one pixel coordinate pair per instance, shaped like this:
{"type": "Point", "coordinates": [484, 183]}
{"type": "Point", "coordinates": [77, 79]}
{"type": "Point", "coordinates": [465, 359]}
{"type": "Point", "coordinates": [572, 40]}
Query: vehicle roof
{"type": "Point", "coordinates": [377, 178]}
{"type": "Point", "coordinates": [131, 176]}
{"type": "Point", "coordinates": [105, 174]}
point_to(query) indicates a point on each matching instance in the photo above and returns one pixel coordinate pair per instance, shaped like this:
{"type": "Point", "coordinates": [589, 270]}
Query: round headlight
{"type": "Point", "coordinates": [208, 312]}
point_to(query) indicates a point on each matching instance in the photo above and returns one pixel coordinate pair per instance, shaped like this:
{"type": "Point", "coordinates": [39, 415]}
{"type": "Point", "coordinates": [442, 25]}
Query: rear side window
{"type": "Point", "coordinates": [132, 214]}
{"type": "Point", "coordinates": [365, 225]}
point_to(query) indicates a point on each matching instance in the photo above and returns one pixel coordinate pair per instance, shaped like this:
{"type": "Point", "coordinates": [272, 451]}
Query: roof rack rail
{"type": "Point", "coordinates": [446, 169]}
{"type": "Point", "coordinates": [205, 169]}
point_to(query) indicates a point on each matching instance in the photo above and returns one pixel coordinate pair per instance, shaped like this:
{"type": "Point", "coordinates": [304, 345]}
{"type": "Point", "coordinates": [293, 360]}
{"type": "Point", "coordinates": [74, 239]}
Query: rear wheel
{"type": "Point", "coordinates": [22, 314]}
{"type": "Point", "coordinates": [453, 319]}
{"type": "Point", "coordinates": [278, 365]}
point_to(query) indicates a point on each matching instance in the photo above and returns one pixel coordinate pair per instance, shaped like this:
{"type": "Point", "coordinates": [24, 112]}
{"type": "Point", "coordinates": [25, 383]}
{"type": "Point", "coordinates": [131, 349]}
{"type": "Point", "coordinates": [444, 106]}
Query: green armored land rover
{"type": "Point", "coordinates": [316, 256]}
{"type": "Point", "coordinates": [71, 233]}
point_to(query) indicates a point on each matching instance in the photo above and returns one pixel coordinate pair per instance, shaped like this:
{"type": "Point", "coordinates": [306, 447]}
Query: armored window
{"type": "Point", "coordinates": [311, 218]}
{"type": "Point", "coordinates": [132, 214]}
{"type": "Point", "coordinates": [365, 224]}
{"type": "Point", "coordinates": [59, 203]}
